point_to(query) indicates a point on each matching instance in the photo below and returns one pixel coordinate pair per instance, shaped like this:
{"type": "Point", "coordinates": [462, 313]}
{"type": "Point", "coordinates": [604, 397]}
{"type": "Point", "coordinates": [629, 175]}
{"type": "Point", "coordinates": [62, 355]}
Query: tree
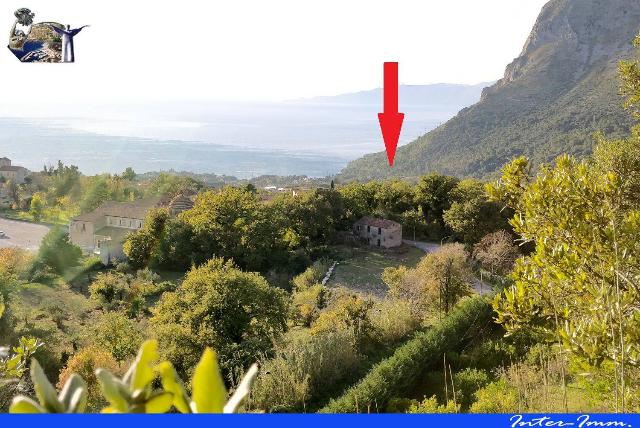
{"type": "Point", "coordinates": [347, 313]}
{"type": "Point", "coordinates": [14, 192]}
{"type": "Point", "coordinates": [37, 206]}
{"type": "Point", "coordinates": [57, 252]}
{"type": "Point", "coordinates": [171, 184]}
{"type": "Point", "coordinates": [432, 193]}
{"type": "Point", "coordinates": [84, 364]}
{"type": "Point", "coordinates": [393, 197]}
{"type": "Point", "coordinates": [142, 247]}
{"type": "Point", "coordinates": [412, 219]}
{"type": "Point", "coordinates": [497, 252]}
{"type": "Point", "coordinates": [235, 224]}
{"type": "Point", "coordinates": [440, 280]}
{"type": "Point", "coordinates": [472, 215]}
{"type": "Point", "coordinates": [314, 217]}
{"type": "Point", "coordinates": [108, 288]}
{"type": "Point", "coordinates": [96, 193]}
{"type": "Point", "coordinates": [358, 199]}
{"type": "Point", "coordinates": [129, 174]}
{"type": "Point", "coordinates": [177, 250]}
{"type": "Point", "coordinates": [580, 286]}
{"type": "Point", "coordinates": [118, 335]}
{"type": "Point", "coordinates": [630, 76]}
{"type": "Point", "coordinates": [218, 305]}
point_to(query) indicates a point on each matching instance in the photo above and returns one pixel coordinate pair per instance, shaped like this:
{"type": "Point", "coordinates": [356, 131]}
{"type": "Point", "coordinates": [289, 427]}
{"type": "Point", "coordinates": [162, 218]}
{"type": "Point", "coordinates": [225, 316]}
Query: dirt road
{"type": "Point", "coordinates": [21, 234]}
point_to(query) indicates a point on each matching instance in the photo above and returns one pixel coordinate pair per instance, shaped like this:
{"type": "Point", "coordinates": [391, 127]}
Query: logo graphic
{"type": "Point", "coordinates": [50, 42]}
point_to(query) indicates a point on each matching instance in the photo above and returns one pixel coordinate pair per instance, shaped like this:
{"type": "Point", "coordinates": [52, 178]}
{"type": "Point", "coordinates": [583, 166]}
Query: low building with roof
{"type": "Point", "coordinates": [378, 232]}
{"type": "Point", "coordinates": [104, 230]}
{"type": "Point", "coordinates": [15, 173]}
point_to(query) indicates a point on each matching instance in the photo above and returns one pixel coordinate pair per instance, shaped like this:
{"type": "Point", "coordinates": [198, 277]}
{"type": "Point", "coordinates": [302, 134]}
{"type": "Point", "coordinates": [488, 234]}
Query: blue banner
{"type": "Point", "coordinates": [323, 421]}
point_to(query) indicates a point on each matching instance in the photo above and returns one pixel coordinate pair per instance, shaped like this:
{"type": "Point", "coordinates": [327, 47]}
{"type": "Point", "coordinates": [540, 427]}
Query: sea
{"type": "Point", "coordinates": [241, 140]}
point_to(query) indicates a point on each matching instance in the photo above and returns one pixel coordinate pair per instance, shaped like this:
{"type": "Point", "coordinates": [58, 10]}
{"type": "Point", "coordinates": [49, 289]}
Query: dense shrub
{"type": "Point", "coordinates": [149, 386]}
{"type": "Point", "coordinates": [57, 252]}
{"type": "Point", "coordinates": [108, 288]}
{"type": "Point", "coordinates": [497, 252]}
{"type": "Point", "coordinates": [347, 312]}
{"type": "Point", "coordinates": [220, 306]}
{"type": "Point", "coordinates": [497, 397]}
{"type": "Point", "coordinates": [393, 320]}
{"type": "Point", "coordinates": [14, 261]}
{"type": "Point", "coordinates": [304, 369]}
{"type": "Point", "coordinates": [437, 283]}
{"type": "Point", "coordinates": [430, 405]}
{"type": "Point", "coordinates": [313, 275]}
{"type": "Point", "coordinates": [466, 383]}
{"type": "Point", "coordinates": [85, 363]}
{"type": "Point", "coordinates": [395, 375]}
{"type": "Point", "coordinates": [118, 335]}
{"type": "Point", "coordinates": [307, 304]}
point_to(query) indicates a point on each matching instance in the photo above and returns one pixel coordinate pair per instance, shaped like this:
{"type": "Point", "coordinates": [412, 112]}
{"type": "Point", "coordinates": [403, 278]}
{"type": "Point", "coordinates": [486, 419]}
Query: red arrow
{"type": "Point", "coordinates": [391, 120]}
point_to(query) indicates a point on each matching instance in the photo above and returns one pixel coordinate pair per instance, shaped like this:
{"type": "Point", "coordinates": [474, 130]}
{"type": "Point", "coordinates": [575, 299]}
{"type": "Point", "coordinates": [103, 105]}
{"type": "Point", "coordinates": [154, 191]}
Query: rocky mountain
{"type": "Point", "coordinates": [436, 97]}
{"type": "Point", "coordinates": [561, 89]}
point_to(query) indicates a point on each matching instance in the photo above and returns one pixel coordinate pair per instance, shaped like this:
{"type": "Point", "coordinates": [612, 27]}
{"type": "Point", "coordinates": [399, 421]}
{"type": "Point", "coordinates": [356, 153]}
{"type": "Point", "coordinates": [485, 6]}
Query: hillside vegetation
{"type": "Point", "coordinates": [560, 91]}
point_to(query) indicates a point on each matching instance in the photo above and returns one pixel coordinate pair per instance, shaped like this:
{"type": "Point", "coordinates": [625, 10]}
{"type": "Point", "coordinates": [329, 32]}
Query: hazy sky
{"type": "Point", "coordinates": [263, 50]}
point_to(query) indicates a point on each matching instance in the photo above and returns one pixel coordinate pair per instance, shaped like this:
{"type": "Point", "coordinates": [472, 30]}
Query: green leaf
{"type": "Point", "coordinates": [69, 393]}
{"type": "Point", "coordinates": [113, 390]}
{"type": "Point", "coordinates": [172, 383]}
{"type": "Point", "coordinates": [21, 404]}
{"type": "Point", "coordinates": [242, 391]}
{"type": "Point", "coordinates": [45, 392]}
{"type": "Point", "coordinates": [143, 373]}
{"type": "Point", "coordinates": [78, 402]}
{"type": "Point", "coordinates": [160, 403]}
{"type": "Point", "coordinates": [209, 393]}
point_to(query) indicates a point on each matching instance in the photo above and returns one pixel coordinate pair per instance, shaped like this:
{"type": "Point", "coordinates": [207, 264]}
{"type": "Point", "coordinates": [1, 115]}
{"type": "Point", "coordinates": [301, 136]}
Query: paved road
{"type": "Point", "coordinates": [21, 234]}
{"type": "Point", "coordinates": [481, 287]}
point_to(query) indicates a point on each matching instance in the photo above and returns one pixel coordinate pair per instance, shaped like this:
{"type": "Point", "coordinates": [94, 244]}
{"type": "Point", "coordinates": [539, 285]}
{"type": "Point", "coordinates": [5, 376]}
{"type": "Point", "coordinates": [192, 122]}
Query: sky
{"type": "Point", "coordinates": [257, 50]}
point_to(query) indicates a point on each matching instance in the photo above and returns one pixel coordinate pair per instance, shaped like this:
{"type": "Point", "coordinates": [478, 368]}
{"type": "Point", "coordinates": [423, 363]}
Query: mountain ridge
{"type": "Point", "coordinates": [409, 95]}
{"type": "Point", "coordinates": [552, 98]}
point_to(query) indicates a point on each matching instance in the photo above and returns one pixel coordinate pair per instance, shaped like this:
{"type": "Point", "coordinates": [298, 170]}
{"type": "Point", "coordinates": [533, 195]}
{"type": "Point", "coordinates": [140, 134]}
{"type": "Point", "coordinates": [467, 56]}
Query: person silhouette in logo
{"type": "Point", "coordinates": [67, 41]}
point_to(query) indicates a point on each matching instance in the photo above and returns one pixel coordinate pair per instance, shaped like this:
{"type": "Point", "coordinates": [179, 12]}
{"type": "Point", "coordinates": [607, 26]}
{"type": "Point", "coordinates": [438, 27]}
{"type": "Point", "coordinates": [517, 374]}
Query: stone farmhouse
{"type": "Point", "coordinates": [15, 173]}
{"type": "Point", "coordinates": [378, 232]}
{"type": "Point", "coordinates": [104, 230]}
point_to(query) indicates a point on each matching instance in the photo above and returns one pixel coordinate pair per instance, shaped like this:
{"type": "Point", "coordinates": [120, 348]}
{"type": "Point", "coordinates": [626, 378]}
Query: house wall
{"type": "Point", "coordinates": [81, 233]}
{"type": "Point", "coordinates": [124, 222]}
{"type": "Point", "coordinates": [15, 176]}
{"type": "Point", "coordinates": [389, 238]}
{"type": "Point", "coordinates": [110, 251]}
{"type": "Point", "coordinates": [392, 237]}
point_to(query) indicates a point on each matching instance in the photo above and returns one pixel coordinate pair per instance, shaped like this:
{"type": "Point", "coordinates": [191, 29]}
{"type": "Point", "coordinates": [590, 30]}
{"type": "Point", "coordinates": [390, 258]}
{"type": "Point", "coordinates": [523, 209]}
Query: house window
{"type": "Point", "coordinates": [379, 231]}
{"type": "Point", "coordinates": [378, 242]}
{"type": "Point", "coordinates": [368, 229]}
{"type": "Point", "coordinates": [84, 227]}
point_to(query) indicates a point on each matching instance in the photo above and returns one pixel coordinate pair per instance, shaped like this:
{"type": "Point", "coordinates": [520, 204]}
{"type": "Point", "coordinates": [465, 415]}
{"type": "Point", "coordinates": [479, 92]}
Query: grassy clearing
{"type": "Point", "coordinates": [362, 267]}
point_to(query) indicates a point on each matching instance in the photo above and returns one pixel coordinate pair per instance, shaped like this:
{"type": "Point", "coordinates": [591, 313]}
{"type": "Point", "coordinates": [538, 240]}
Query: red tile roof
{"type": "Point", "coordinates": [378, 222]}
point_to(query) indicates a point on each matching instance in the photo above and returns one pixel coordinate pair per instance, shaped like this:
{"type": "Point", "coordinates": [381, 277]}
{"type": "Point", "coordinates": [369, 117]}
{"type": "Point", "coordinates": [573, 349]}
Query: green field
{"type": "Point", "coordinates": [362, 267]}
